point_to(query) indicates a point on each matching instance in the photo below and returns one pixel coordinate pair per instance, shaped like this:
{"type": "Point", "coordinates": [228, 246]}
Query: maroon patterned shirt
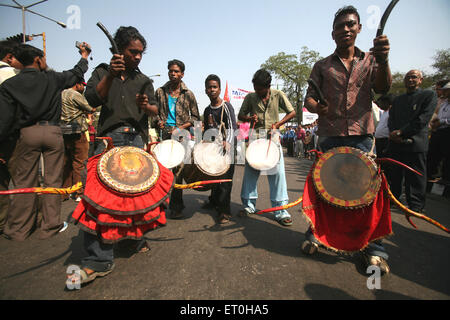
{"type": "Point", "coordinates": [348, 94]}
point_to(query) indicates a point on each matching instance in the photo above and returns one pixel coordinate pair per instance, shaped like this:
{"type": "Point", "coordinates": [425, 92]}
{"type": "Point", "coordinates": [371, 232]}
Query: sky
{"type": "Point", "coordinates": [228, 38]}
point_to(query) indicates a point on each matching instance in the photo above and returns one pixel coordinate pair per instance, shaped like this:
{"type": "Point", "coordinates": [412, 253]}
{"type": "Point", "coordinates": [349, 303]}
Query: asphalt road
{"type": "Point", "coordinates": [251, 258]}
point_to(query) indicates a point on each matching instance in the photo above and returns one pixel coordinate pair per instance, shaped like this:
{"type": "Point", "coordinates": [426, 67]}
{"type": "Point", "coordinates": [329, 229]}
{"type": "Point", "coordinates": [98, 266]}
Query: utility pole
{"type": "Point", "coordinates": [26, 9]}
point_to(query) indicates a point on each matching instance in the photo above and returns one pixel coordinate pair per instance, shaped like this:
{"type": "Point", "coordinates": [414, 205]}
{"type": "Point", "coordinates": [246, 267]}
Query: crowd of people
{"type": "Point", "coordinates": [299, 140]}
{"type": "Point", "coordinates": [50, 114]}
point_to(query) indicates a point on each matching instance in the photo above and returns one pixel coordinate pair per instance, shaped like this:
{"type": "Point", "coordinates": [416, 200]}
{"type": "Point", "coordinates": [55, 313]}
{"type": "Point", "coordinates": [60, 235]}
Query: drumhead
{"type": "Point", "coordinates": [346, 177]}
{"type": "Point", "coordinates": [170, 153]}
{"type": "Point", "coordinates": [261, 156]}
{"type": "Point", "coordinates": [209, 158]}
{"type": "Point", "coordinates": [128, 170]}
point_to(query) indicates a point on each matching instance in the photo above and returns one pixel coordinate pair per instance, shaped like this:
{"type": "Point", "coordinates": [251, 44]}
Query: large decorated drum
{"type": "Point", "coordinates": [126, 194]}
{"type": "Point", "coordinates": [346, 177]}
{"type": "Point", "coordinates": [128, 170]}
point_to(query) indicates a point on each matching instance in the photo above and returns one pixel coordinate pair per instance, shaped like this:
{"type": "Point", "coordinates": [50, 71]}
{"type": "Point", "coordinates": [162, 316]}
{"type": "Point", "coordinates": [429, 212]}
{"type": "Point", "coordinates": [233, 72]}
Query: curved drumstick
{"type": "Point", "coordinates": [385, 16]}
{"type": "Point", "coordinates": [40, 190]}
{"type": "Point", "coordinates": [319, 92]}
{"type": "Point", "coordinates": [285, 207]}
{"type": "Point", "coordinates": [397, 162]}
{"type": "Point", "coordinates": [409, 213]}
{"type": "Point", "coordinates": [114, 48]}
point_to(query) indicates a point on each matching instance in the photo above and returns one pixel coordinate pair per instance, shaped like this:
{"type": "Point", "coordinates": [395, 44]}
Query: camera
{"type": "Point", "coordinates": [79, 45]}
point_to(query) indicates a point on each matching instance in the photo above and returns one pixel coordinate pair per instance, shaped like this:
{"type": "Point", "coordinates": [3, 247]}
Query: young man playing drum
{"type": "Point", "coordinates": [261, 107]}
{"type": "Point", "coordinates": [220, 115]}
{"type": "Point", "coordinates": [124, 118]}
{"type": "Point", "coordinates": [177, 111]}
{"type": "Point", "coordinates": [346, 79]}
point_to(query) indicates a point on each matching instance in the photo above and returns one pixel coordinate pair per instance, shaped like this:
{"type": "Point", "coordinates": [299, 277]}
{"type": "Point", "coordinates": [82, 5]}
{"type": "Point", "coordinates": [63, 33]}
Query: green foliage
{"type": "Point", "coordinates": [293, 71]}
{"type": "Point", "coordinates": [442, 64]}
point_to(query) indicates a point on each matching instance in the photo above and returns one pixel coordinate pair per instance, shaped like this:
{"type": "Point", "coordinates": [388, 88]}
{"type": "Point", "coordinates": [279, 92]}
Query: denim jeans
{"type": "Point", "coordinates": [101, 255]}
{"type": "Point", "coordinates": [363, 143]}
{"type": "Point", "coordinates": [120, 139]}
{"type": "Point", "coordinates": [277, 187]}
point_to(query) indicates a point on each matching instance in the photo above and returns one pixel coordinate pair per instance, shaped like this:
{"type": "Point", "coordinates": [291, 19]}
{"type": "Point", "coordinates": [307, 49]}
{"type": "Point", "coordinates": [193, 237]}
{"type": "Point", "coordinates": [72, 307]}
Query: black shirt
{"type": "Point", "coordinates": [411, 113]}
{"type": "Point", "coordinates": [119, 108]}
{"type": "Point", "coordinates": [34, 95]}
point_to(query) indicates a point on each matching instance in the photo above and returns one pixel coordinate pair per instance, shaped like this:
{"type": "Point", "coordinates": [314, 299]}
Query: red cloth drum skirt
{"type": "Point", "coordinates": [114, 216]}
{"type": "Point", "coordinates": [338, 221]}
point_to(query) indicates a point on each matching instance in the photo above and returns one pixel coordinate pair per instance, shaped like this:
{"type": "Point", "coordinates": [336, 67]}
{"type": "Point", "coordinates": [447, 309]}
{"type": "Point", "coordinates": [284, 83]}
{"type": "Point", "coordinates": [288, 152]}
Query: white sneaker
{"type": "Point", "coordinates": [64, 227]}
{"type": "Point", "coordinates": [78, 199]}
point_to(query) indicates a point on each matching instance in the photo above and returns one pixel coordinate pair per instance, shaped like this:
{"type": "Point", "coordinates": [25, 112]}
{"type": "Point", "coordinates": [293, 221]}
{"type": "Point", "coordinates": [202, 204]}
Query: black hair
{"type": "Point", "coordinates": [124, 35]}
{"type": "Point", "coordinates": [346, 10]}
{"type": "Point", "coordinates": [212, 77]}
{"type": "Point", "coordinates": [262, 78]}
{"type": "Point", "coordinates": [388, 97]}
{"type": "Point", "coordinates": [177, 63]}
{"type": "Point", "coordinates": [442, 83]}
{"type": "Point", "coordinates": [7, 47]}
{"type": "Point", "coordinates": [26, 54]}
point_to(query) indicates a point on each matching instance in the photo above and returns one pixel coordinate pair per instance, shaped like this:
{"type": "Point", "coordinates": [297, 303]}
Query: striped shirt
{"type": "Point", "coordinates": [348, 94]}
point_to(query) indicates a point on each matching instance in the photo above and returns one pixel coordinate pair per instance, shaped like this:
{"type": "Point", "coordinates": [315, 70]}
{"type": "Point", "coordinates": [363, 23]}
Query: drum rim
{"type": "Point", "coordinates": [176, 142]}
{"type": "Point", "coordinates": [201, 169]}
{"type": "Point", "coordinates": [106, 178]}
{"type": "Point", "coordinates": [262, 139]}
{"type": "Point", "coordinates": [368, 196]}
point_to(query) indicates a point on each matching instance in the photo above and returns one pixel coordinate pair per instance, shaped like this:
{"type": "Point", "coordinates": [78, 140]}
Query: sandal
{"type": "Point", "coordinates": [224, 218]}
{"type": "Point", "coordinates": [142, 247]}
{"type": "Point", "coordinates": [85, 277]}
{"type": "Point", "coordinates": [285, 222]}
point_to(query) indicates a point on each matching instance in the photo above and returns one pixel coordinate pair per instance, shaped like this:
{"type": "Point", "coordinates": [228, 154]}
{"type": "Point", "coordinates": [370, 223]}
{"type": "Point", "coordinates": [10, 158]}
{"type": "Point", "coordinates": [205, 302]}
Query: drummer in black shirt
{"type": "Point", "coordinates": [124, 113]}
{"type": "Point", "coordinates": [220, 115]}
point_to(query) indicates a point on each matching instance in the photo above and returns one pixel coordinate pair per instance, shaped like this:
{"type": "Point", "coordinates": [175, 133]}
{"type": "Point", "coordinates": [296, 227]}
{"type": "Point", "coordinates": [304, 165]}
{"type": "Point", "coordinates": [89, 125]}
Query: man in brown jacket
{"type": "Point", "coordinates": [177, 111]}
{"type": "Point", "coordinates": [74, 127]}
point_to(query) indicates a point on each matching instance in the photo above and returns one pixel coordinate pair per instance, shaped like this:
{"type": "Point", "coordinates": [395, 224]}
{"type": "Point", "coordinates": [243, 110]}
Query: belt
{"type": "Point", "coordinates": [47, 123]}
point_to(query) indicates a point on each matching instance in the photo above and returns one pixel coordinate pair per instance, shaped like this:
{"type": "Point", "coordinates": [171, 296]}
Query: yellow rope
{"type": "Point", "coordinates": [409, 213]}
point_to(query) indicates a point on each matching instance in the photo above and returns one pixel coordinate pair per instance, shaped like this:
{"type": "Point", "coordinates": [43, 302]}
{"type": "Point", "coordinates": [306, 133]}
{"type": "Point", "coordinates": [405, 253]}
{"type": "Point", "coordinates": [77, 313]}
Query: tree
{"type": "Point", "coordinates": [294, 73]}
{"type": "Point", "coordinates": [442, 64]}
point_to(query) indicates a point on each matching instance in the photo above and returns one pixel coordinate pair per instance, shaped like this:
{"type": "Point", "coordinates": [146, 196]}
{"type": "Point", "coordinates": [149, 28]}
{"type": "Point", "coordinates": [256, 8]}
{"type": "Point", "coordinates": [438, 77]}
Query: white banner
{"type": "Point", "coordinates": [309, 117]}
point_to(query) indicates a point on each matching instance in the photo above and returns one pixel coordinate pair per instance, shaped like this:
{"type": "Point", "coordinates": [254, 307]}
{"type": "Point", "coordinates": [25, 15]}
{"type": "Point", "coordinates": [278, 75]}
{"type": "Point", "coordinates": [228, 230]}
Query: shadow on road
{"type": "Point", "coordinates": [322, 292]}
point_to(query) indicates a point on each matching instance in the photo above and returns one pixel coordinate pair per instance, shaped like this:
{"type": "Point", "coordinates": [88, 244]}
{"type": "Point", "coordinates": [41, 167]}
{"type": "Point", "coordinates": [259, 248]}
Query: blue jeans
{"type": "Point", "coordinates": [277, 187]}
{"type": "Point", "coordinates": [363, 143]}
{"type": "Point", "coordinates": [120, 139]}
